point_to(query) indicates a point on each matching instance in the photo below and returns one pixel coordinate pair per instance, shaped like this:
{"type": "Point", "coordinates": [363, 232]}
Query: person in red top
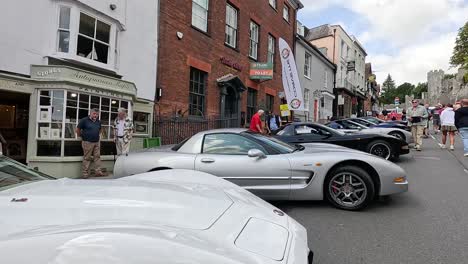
{"type": "Point", "coordinates": [256, 122]}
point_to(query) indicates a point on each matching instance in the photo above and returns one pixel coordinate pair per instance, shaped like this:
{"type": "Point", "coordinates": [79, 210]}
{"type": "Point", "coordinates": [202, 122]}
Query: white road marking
{"type": "Point", "coordinates": [426, 157]}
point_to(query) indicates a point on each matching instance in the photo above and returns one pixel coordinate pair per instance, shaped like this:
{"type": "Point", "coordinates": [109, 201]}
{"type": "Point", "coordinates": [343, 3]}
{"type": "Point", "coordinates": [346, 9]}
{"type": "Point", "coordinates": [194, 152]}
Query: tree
{"type": "Point", "coordinates": [389, 91]}
{"type": "Point", "coordinates": [388, 84]}
{"type": "Point", "coordinates": [420, 88]}
{"type": "Point", "coordinates": [460, 51]}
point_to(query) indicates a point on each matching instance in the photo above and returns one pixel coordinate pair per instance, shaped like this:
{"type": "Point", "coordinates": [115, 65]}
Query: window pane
{"type": "Point", "coordinates": [73, 148]}
{"type": "Point", "coordinates": [102, 51]}
{"type": "Point", "coordinates": [72, 99]}
{"type": "Point", "coordinates": [202, 3]}
{"type": "Point", "coordinates": [84, 47]}
{"type": "Point", "coordinates": [70, 115]}
{"type": "Point", "coordinates": [49, 148]}
{"type": "Point", "coordinates": [114, 105]}
{"type": "Point", "coordinates": [141, 122]}
{"type": "Point", "coordinates": [124, 104]}
{"type": "Point", "coordinates": [57, 109]}
{"type": "Point", "coordinates": [87, 25]}
{"type": "Point", "coordinates": [70, 130]}
{"type": "Point", "coordinates": [43, 130]}
{"type": "Point", "coordinates": [46, 93]}
{"type": "Point", "coordinates": [64, 18]}
{"type": "Point", "coordinates": [95, 102]}
{"type": "Point", "coordinates": [104, 116]}
{"type": "Point", "coordinates": [84, 101]}
{"type": "Point", "coordinates": [82, 113]}
{"type": "Point", "coordinates": [229, 144]}
{"type": "Point", "coordinates": [102, 31]}
{"type": "Point", "coordinates": [44, 100]}
{"type": "Point", "coordinates": [105, 102]}
{"type": "Point", "coordinates": [56, 131]}
{"type": "Point", "coordinates": [64, 39]}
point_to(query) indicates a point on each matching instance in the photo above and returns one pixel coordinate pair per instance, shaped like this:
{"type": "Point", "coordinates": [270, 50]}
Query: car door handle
{"type": "Point", "coordinates": [207, 160]}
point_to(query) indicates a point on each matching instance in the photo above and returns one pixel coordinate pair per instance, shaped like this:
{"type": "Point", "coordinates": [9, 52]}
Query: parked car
{"type": "Point", "coordinates": [390, 123]}
{"type": "Point", "coordinates": [274, 170]}
{"type": "Point", "coordinates": [172, 216]}
{"type": "Point", "coordinates": [384, 146]}
{"type": "Point", "coordinates": [349, 125]}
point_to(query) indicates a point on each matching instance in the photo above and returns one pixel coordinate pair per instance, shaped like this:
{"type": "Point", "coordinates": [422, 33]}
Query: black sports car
{"type": "Point", "coordinates": [381, 123]}
{"type": "Point", "coordinates": [384, 146]}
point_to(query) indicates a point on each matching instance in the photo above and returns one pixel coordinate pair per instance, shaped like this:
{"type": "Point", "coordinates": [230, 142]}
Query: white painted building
{"type": "Point", "coordinates": [316, 75]}
{"type": "Point", "coordinates": [59, 59]}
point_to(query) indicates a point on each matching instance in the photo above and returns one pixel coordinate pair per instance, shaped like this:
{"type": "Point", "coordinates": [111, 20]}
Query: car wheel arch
{"type": "Point", "coordinates": [365, 166]}
{"type": "Point", "coordinates": [160, 169]}
{"type": "Point", "coordinates": [403, 136]}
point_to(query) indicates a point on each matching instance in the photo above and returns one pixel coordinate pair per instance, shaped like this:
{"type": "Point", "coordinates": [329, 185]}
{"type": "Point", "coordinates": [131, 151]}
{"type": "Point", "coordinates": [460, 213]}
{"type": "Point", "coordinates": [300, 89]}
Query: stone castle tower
{"type": "Point", "coordinates": [444, 89]}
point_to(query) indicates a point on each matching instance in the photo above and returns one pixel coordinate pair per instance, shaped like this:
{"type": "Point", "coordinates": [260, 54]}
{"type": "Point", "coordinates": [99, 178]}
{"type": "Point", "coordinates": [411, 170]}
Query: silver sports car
{"type": "Point", "coordinates": [349, 179]}
{"type": "Point", "coordinates": [172, 216]}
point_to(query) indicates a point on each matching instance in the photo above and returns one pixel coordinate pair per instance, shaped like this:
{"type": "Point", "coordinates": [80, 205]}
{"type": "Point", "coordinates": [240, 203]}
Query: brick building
{"type": "Point", "coordinates": [205, 51]}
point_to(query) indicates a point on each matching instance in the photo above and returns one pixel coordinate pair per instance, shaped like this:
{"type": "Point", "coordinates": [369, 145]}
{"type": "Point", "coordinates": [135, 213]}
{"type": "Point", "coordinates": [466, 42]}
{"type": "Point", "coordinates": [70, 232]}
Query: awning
{"type": "Point", "coordinates": [231, 80]}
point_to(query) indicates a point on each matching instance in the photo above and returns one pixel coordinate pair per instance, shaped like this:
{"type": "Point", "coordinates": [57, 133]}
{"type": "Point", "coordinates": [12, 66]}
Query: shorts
{"type": "Point", "coordinates": [436, 122]}
{"type": "Point", "coordinates": [449, 129]}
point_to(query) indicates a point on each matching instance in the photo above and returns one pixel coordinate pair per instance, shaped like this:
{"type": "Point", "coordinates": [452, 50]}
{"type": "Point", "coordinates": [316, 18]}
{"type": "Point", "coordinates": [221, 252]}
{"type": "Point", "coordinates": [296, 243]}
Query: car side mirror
{"type": "Point", "coordinates": [256, 153]}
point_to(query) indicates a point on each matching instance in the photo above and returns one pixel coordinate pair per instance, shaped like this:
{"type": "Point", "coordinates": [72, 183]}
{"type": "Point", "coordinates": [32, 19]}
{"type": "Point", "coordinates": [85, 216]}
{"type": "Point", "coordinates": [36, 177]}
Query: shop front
{"type": "Point", "coordinates": [59, 96]}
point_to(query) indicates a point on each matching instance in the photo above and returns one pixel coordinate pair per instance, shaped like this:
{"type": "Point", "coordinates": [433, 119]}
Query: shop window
{"type": "Point", "coordinates": [322, 102]}
{"type": "Point", "coordinates": [197, 92]}
{"type": "Point", "coordinates": [231, 26]}
{"type": "Point", "coordinates": [64, 29]}
{"type": "Point", "coordinates": [251, 103]}
{"type": "Point", "coordinates": [93, 39]}
{"type": "Point", "coordinates": [253, 45]}
{"type": "Point", "coordinates": [200, 14]}
{"type": "Point", "coordinates": [59, 113]}
{"type": "Point", "coordinates": [140, 122]}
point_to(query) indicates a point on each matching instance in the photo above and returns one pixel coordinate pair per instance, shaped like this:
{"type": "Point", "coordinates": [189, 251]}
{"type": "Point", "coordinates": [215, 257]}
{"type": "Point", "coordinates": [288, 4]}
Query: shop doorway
{"type": "Point", "coordinates": [14, 118]}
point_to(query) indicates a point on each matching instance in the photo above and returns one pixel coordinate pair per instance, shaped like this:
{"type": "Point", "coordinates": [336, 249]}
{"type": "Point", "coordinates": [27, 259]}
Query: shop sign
{"type": "Point", "coordinates": [231, 63]}
{"type": "Point", "coordinates": [284, 110]}
{"type": "Point", "coordinates": [291, 84]}
{"type": "Point", "coordinates": [261, 71]}
{"type": "Point", "coordinates": [14, 85]}
{"type": "Point", "coordinates": [340, 100]}
{"type": "Point", "coordinates": [65, 73]}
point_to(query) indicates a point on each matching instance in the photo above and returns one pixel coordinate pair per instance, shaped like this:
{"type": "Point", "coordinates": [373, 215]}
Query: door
{"type": "Point", "coordinates": [316, 109]}
{"type": "Point", "coordinates": [226, 155]}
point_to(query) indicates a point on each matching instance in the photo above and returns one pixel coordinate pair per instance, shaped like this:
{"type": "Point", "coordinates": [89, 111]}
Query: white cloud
{"type": "Point", "coordinates": [419, 34]}
{"type": "Point", "coordinates": [412, 62]}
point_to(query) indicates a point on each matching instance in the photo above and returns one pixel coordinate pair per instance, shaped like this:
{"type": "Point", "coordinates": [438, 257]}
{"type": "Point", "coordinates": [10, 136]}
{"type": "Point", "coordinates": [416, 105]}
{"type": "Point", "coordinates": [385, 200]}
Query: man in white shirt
{"type": "Point", "coordinates": [123, 132]}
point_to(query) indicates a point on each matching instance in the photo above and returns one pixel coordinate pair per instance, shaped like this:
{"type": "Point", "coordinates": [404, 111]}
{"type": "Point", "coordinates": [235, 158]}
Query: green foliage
{"type": "Point", "coordinates": [420, 88]}
{"type": "Point", "coordinates": [449, 76]}
{"type": "Point", "coordinates": [460, 51]}
{"type": "Point", "coordinates": [401, 91]}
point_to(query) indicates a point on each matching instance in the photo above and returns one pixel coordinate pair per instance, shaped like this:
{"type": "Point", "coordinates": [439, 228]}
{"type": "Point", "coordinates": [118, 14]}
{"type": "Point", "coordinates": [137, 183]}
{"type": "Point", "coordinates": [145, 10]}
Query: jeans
{"type": "Point", "coordinates": [464, 135]}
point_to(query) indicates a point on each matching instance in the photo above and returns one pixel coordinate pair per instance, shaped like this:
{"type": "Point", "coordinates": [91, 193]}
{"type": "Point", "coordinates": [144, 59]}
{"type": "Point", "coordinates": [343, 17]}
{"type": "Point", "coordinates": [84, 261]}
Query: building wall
{"type": "Point", "coordinates": [326, 42]}
{"type": "Point", "coordinates": [442, 89]}
{"type": "Point", "coordinates": [315, 83]}
{"type": "Point", "coordinates": [204, 51]}
{"type": "Point", "coordinates": [30, 41]}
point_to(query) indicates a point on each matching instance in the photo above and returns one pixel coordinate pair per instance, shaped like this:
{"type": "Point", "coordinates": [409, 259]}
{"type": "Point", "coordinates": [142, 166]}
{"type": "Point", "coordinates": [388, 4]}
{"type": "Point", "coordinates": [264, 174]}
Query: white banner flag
{"type": "Point", "coordinates": [291, 84]}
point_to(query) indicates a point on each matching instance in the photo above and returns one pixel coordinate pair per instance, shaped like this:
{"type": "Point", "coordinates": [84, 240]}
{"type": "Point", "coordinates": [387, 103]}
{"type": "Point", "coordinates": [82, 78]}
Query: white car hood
{"type": "Point", "coordinates": [67, 202]}
{"type": "Point", "coordinates": [312, 148]}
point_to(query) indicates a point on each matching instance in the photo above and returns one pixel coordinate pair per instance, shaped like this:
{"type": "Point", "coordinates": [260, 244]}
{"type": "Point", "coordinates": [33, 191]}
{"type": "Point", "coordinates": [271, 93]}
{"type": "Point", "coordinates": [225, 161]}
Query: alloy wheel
{"type": "Point", "coordinates": [347, 189]}
{"type": "Point", "coordinates": [382, 150]}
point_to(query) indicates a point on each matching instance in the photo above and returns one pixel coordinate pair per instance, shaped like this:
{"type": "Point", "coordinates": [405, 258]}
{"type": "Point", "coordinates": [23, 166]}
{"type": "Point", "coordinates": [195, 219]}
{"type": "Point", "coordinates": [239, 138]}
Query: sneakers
{"type": "Point", "coordinates": [451, 147]}
{"type": "Point", "coordinates": [442, 146]}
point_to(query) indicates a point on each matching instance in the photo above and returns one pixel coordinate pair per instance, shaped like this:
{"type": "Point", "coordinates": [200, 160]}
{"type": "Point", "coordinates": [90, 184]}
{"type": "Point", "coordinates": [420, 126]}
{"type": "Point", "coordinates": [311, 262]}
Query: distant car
{"type": "Point", "coordinates": [349, 125]}
{"type": "Point", "coordinates": [384, 146]}
{"type": "Point", "coordinates": [389, 123]}
{"type": "Point", "coordinates": [274, 170]}
{"type": "Point", "coordinates": [172, 216]}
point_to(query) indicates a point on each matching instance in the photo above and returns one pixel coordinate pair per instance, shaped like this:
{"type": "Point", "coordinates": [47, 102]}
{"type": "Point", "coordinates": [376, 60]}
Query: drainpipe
{"type": "Point", "coordinates": [335, 101]}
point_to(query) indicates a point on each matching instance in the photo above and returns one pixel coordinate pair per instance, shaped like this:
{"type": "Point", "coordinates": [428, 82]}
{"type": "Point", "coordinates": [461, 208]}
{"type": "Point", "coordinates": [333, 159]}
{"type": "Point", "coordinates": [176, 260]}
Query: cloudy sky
{"type": "Point", "coordinates": [406, 38]}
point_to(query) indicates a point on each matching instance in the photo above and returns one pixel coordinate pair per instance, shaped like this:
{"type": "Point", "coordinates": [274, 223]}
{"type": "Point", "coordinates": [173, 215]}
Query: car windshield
{"type": "Point", "coordinates": [274, 143]}
{"type": "Point", "coordinates": [13, 173]}
{"type": "Point", "coordinates": [361, 122]}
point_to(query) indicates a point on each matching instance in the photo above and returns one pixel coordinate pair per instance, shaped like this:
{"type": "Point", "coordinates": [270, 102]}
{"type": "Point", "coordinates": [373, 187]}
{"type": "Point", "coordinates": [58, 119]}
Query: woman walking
{"type": "Point", "coordinates": [447, 120]}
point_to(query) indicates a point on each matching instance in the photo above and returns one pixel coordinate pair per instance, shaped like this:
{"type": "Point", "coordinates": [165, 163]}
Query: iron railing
{"type": "Point", "coordinates": [175, 130]}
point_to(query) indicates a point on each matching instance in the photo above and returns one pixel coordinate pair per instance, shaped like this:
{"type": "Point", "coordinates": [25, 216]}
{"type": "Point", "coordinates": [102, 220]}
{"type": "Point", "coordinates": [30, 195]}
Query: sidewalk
{"type": "Point", "coordinates": [458, 152]}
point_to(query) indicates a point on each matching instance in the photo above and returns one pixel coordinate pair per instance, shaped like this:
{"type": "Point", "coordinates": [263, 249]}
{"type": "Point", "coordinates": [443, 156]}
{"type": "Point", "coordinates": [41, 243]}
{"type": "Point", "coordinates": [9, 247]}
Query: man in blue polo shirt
{"type": "Point", "coordinates": [89, 129]}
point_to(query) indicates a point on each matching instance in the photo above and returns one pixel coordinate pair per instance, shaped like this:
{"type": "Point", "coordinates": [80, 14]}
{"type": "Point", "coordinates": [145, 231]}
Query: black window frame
{"type": "Point", "coordinates": [251, 106]}
{"type": "Point", "coordinates": [201, 83]}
